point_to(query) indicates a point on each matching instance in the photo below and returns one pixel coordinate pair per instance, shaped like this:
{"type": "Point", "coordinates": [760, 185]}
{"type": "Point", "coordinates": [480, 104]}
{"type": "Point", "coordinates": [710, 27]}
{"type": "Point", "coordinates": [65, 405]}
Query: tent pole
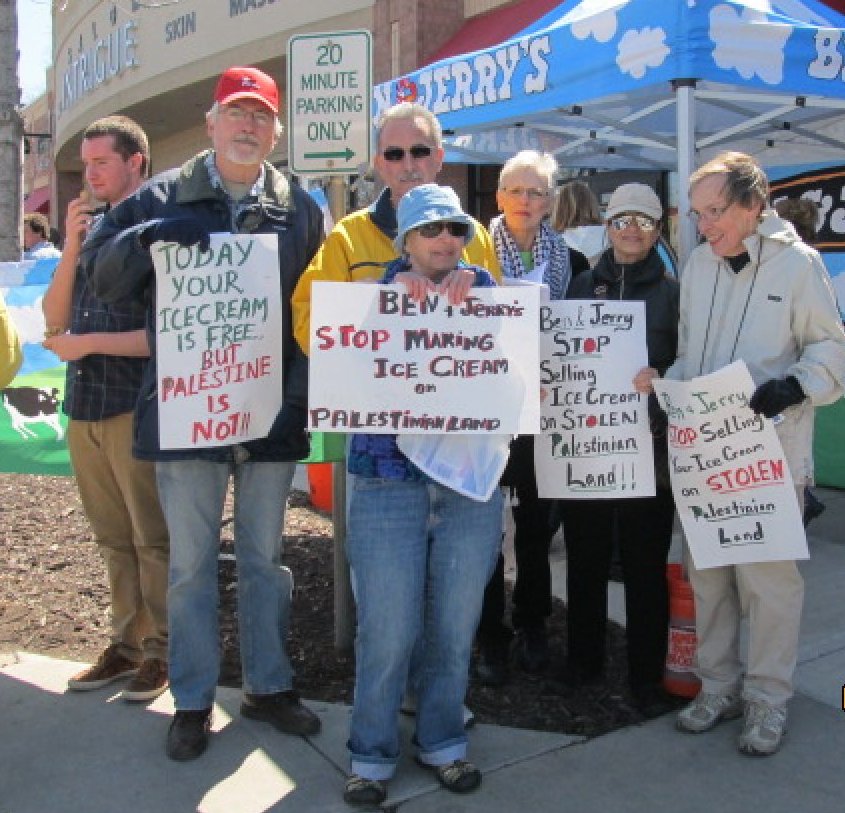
{"type": "Point", "coordinates": [685, 111]}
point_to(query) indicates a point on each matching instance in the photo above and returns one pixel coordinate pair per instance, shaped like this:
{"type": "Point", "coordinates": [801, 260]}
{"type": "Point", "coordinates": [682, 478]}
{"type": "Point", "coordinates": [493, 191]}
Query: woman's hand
{"type": "Point", "coordinates": [456, 285]}
{"type": "Point", "coordinates": [417, 286]}
{"type": "Point", "coordinates": [643, 380]}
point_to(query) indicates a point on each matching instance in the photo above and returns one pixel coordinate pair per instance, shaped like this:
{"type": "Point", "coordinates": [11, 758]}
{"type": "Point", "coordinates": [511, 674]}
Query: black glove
{"type": "Point", "coordinates": [775, 395]}
{"type": "Point", "coordinates": [183, 230]}
{"type": "Point", "coordinates": [657, 418]}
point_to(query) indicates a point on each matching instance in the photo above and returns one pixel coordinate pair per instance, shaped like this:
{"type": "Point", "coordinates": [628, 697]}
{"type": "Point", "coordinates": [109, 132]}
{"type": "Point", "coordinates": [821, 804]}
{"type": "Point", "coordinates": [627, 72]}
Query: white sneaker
{"type": "Point", "coordinates": [707, 710]}
{"type": "Point", "coordinates": [763, 729]}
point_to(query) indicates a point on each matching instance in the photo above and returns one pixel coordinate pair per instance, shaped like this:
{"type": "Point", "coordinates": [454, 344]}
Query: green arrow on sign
{"type": "Point", "coordinates": [347, 154]}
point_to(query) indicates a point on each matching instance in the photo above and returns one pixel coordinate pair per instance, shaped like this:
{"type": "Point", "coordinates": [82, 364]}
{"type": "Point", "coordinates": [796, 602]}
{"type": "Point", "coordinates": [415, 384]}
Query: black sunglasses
{"type": "Point", "coordinates": [398, 153]}
{"type": "Point", "coordinates": [434, 229]}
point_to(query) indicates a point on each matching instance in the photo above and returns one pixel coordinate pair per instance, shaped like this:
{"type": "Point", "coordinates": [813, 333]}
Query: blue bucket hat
{"type": "Point", "coordinates": [429, 203]}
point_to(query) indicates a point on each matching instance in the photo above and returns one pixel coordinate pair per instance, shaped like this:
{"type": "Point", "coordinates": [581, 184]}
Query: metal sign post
{"type": "Point", "coordinates": [330, 133]}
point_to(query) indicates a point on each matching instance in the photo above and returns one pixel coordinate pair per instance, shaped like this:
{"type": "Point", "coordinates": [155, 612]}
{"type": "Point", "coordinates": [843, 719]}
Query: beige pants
{"type": "Point", "coordinates": [771, 596]}
{"type": "Point", "coordinates": [120, 499]}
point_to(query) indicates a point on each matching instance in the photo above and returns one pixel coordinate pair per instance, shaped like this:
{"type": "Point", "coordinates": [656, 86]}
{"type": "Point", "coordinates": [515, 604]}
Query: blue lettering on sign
{"type": "Point", "coordinates": [180, 27]}
{"type": "Point", "coordinates": [243, 6]}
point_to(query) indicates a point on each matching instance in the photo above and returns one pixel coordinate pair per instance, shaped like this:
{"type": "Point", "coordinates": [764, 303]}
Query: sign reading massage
{"type": "Point", "coordinates": [383, 363]}
{"type": "Point", "coordinates": [596, 441]}
{"type": "Point", "coordinates": [732, 486]}
{"type": "Point", "coordinates": [219, 340]}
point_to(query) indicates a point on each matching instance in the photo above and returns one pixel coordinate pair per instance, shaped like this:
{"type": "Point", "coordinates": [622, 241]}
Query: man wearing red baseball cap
{"type": "Point", "coordinates": [230, 188]}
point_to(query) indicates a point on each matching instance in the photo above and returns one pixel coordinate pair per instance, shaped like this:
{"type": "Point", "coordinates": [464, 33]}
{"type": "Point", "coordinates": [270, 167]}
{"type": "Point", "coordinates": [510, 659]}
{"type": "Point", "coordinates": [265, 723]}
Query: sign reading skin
{"type": "Point", "coordinates": [731, 482]}
{"type": "Point", "coordinates": [595, 441]}
{"type": "Point", "coordinates": [385, 364]}
{"type": "Point", "coordinates": [330, 95]}
{"type": "Point", "coordinates": [219, 340]}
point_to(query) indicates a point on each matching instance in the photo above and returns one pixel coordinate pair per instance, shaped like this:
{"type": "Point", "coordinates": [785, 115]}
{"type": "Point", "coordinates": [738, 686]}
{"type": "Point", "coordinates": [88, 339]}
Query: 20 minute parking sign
{"type": "Point", "coordinates": [329, 102]}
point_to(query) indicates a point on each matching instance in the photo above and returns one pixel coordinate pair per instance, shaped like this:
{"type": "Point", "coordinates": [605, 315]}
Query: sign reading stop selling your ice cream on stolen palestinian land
{"type": "Point", "coordinates": [732, 486]}
{"type": "Point", "coordinates": [595, 441]}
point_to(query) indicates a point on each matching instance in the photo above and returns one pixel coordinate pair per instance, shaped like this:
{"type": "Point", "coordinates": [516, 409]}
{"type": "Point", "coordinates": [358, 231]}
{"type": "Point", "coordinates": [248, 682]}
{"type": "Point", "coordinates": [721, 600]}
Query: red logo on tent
{"type": "Point", "coordinates": [406, 90]}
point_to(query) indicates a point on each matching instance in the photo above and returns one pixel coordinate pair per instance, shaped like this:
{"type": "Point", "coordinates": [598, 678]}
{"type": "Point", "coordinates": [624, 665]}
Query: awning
{"type": "Point", "coordinates": [493, 27]}
{"type": "Point", "coordinates": [38, 201]}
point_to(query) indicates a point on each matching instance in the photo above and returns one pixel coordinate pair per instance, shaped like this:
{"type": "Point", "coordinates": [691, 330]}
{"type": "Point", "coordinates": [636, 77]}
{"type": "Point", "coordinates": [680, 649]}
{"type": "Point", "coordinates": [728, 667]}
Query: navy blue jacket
{"type": "Point", "coordinates": [121, 268]}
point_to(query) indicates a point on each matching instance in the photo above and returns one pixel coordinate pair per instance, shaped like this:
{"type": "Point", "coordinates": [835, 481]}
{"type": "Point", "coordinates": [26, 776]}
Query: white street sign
{"type": "Point", "coordinates": [329, 100]}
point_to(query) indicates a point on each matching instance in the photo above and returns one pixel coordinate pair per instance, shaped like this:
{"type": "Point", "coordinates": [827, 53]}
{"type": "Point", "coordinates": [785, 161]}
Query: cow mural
{"type": "Point", "coordinates": [29, 405]}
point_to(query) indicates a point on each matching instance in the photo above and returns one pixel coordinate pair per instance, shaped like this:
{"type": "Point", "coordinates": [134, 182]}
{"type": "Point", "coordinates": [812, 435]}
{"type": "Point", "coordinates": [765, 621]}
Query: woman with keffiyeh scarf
{"type": "Point", "coordinates": [528, 249]}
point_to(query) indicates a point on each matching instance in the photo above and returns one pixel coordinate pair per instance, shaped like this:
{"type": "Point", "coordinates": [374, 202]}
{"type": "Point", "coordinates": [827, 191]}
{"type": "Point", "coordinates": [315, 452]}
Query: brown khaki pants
{"type": "Point", "coordinates": [120, 499]}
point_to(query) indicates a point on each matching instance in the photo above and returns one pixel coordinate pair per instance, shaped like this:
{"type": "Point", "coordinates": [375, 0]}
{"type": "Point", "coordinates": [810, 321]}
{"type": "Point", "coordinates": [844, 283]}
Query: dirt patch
{"type": "Point", "coordinates": [54, 600]}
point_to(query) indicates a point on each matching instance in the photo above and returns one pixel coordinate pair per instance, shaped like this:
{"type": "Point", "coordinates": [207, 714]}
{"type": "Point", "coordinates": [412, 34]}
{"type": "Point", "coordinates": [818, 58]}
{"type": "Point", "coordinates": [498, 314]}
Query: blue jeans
{"type": "Point", "coordinates": [420, 556]}
{"type": "Point", "coordinates": [192, 494]}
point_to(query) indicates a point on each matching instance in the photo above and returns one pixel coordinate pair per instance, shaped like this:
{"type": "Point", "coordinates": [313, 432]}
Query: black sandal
{"type": "Point", "coordinates": [364, 792]}
{"type": "Point", "coordinates": [460, 776]}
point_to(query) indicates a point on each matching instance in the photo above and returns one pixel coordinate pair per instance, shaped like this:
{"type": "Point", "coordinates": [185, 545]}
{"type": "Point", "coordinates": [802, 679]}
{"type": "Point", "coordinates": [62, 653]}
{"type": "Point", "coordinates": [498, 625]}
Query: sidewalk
{"type": "Point", "coordinates": [90, 753]}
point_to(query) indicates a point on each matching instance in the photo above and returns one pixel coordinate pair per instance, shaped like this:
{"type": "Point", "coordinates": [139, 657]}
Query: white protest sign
{"type": "Point", "coordinates": [731, 482]}
{"type": "Point", "coordinates": [595, 442]}
{"type": "Point", "coordinates": [382, 363]}
{"type": "Point", "coordinates": [218, 340]}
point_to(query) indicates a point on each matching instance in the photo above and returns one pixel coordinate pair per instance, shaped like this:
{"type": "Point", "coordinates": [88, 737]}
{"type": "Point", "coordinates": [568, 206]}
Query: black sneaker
{"type": "Point", "coordinates": [283, 710]}
{"type": "Point", "coordinates": [187, 736]}
{"type": "Point", "coordinates": [651, 700]}
{"type": "Point", "coordinates": [531, 650]}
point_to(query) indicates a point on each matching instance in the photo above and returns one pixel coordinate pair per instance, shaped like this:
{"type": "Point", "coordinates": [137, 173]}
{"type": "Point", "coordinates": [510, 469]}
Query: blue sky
{"type": "Point", "coordinates": [34, 45]}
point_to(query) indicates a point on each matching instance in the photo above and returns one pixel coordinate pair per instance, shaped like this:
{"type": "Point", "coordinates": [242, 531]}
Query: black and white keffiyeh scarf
{"type": "Point", "coordinates": [548, 248]}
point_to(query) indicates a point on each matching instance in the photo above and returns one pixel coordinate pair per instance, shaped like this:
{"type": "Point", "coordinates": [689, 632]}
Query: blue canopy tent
{"type": "Point", "coordinates": [627, 84]}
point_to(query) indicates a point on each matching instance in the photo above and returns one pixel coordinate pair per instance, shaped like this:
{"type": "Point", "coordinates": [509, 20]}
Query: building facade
{"type": "Point", "coordinates": [159, 64]}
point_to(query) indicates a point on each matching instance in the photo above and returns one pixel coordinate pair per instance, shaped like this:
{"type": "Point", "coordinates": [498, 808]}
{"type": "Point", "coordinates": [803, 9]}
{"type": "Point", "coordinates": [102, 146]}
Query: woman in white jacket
{"type": "Point", "coordinates": [754, 291]}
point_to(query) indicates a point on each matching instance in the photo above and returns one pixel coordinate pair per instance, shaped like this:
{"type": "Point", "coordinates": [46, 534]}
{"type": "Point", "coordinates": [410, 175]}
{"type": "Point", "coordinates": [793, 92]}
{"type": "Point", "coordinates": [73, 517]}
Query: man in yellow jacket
{"type": "Point", "coordinates": [10, 347]}
{"type": "Point", "coordinates": [409, 152]}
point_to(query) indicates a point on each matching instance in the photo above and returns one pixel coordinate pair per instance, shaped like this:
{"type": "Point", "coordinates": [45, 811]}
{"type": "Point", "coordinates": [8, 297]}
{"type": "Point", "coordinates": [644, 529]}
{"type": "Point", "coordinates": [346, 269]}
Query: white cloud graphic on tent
{"type": "Point", "coordinates": [747, 48]}
{"type": "Point", "coordinates": [641, 50]}
{"type": "Point", "coordinates": [601, 26]}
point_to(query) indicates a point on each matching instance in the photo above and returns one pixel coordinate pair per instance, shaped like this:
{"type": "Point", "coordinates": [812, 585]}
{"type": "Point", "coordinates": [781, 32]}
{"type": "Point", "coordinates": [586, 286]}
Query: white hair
{"type": "Point", "coordinates": [543, 163]}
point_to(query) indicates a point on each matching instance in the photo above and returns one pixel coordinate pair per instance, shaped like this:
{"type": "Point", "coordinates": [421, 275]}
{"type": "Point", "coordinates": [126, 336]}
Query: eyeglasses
{"type": "Point", "coordinates": [530, 192]}
{"type": "Point", "coordinates": [237, 115]}
{"type": "Point", "coordinates": [398, 153]}
{"type": "Point", "coordinates": [710, 214]}
{"type": "Point", "coordinates": [435, 229]}
{"type": "Point", "coordinates": [644, 222]}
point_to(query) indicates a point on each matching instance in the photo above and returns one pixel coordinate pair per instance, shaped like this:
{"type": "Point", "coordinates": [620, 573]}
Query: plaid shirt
{"type": "Point", "coordinates": [98, 386]}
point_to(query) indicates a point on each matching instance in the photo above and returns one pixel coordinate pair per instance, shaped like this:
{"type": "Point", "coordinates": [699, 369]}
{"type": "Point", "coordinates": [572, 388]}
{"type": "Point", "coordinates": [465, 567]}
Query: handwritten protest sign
{"type": "Point", "coordinates": [732, 486]}
{"type": "Point", "coordinates": [382, 363]}
{"type": "Point", "coordinates": [595, 442]}
{"type": "Point", "coordinates": [219, 340]}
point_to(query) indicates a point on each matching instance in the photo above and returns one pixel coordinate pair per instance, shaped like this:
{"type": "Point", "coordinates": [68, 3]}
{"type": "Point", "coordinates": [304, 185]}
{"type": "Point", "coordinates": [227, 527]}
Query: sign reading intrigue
{"type": "Point", "coordinates": [595, 441]}
{"type": "Point", "coordinates": [732, 486]}
{"type": "Point", "coordinates": [218, 340]}
{"type": "Point", "coordinates": [383, 363]}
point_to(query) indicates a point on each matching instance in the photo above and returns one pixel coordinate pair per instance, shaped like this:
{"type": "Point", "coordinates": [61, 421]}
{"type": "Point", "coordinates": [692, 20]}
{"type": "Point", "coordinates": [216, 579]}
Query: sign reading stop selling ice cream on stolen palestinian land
{"type": "Point", "coordinates": [595, 441]}
{"type": "Point", "coordinates": [382, 363]}
{"type": "Point", "coordinates": [218, 340]}
{"type": "Point", "coordinates": [732, 486]}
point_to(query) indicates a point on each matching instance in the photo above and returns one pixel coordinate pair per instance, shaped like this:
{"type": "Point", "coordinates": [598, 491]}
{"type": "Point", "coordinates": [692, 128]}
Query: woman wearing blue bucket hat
{"type": "Point", "coordinates": [420, 552]}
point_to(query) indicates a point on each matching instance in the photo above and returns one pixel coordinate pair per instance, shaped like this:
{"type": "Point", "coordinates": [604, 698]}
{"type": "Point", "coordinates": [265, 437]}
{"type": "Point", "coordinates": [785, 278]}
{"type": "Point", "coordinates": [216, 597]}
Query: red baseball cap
{"type": "Point", "coordinates": [247, 83]}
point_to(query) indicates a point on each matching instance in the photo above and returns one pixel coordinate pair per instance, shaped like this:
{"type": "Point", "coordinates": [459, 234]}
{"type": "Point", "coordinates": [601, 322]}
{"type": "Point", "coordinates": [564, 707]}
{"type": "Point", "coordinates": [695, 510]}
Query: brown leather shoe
{"type": "Point", "coordinates": [149, 683]}
{"type": "Point", "coordinates": [110, 666]}
{"type": "Point", "coordinates": [283, 710]}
